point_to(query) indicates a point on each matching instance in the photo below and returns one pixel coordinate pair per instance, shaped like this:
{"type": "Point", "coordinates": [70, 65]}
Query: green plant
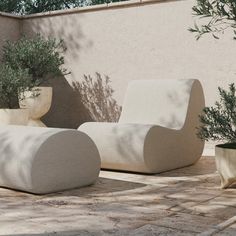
{"type": "Point", "coordinates": [25, 7]}
{"type": "Point", "coordinates": [219, 15]}
{"type": "Point", "coordinates": [41, 57]}
{"type": "Point", "coordinates": [12, 83]}
{"type": "Point", "coordinates": [218, 123]}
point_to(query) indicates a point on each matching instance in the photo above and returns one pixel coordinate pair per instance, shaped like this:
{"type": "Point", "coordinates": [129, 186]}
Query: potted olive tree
{"type": "Point", "coordinates": [12, 83]}
{"type": "Point", "coordinates": [218, 123]}
{"type": "Point", "coordinates": [44, 60]}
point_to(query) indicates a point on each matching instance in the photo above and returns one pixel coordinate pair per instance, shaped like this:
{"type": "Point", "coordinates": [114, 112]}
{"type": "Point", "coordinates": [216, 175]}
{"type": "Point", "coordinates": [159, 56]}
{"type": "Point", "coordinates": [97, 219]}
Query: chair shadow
{"type": "Point", "coordinates": [102, 186]}
{"type": "Point", "coordinates": [67, 110]}
{"type": "Point", "coordinates": [62, 233]}
{"type": "Point", "coordinates": [90, 99]}
{"type": "Point", "coordinates": [198, 168]}
{"type": "Point", "coordinates": [201, 167]}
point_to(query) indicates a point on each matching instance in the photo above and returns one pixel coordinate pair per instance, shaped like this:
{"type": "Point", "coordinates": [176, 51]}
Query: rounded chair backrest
{"type": "Point", "coordinates": [158, 102]}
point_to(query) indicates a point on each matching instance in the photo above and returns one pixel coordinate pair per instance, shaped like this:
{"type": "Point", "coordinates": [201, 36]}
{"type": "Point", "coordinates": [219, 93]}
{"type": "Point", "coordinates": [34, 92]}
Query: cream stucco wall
{"type": "Point", "coordinates": [140, 42]}
{"type": "Point", "coordinates": [9, 29]}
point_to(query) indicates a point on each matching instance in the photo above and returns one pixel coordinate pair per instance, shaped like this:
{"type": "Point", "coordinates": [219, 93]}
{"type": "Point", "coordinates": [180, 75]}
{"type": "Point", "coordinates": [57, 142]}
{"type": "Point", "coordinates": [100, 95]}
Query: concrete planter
{"type": "Point", "coordinates": [14, 116]}
{"type": "Point", "coordinates": [226, 163]}
{"type": "Point", "coordinates": [38, 106]}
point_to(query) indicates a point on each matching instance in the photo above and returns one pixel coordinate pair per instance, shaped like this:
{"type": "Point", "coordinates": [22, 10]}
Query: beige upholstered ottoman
{"type": "Point", "coordinates": [46, 160]}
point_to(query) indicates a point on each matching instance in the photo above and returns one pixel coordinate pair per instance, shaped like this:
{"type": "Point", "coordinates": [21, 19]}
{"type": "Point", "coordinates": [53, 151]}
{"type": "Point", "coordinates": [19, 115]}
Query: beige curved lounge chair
{"type": "Point", "coordinates": [46, 160]}
{"type": "Point", "coordinates": [157, 128]}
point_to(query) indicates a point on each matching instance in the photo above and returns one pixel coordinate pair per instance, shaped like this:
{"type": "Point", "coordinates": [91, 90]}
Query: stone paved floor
{"type": "Point", "coordinates": [186, 201]}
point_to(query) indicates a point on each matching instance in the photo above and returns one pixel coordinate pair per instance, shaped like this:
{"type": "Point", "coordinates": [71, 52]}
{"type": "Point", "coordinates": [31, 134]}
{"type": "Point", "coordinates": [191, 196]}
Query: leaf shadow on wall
{"type": "Point", "coordinates": [66, 27]}
{"type": "Point", "coordinates": [91, 99]}
{"type": "Point", "coordinates": [97, 96]}
{"type": "Point", "coordinates": [67, 110]}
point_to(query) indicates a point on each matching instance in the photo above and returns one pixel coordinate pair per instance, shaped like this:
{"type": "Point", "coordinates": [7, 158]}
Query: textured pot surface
{"type": "Point", "coordinates": [14, 116]}
{"type": "Point", "coordinates": [38, 105]}
{"type": "Point", "coordinates": [226, 164]}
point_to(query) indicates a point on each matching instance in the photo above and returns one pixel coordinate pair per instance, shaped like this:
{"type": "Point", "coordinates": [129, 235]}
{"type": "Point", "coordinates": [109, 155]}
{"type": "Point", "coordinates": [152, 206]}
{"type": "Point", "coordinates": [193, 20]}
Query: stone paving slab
{"type": "Point", "coordinates": [187, 201]}
{"type": "Point", "coordinates": [230, 231]}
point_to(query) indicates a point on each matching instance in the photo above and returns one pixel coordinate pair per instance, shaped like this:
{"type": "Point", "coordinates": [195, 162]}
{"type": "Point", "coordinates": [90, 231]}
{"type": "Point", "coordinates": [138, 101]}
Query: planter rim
{"type": "Point", "coordinates": [227, 146]}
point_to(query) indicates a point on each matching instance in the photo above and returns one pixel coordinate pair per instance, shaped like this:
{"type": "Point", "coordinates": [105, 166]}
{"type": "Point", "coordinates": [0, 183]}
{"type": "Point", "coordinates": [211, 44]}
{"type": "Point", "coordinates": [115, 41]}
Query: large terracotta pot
{"type": "Point", "coordinates": [226, 163]}
{"type": "Point", "coordinates": [14, 116]}
{"type": "Point", "coordinates": [38, 105]}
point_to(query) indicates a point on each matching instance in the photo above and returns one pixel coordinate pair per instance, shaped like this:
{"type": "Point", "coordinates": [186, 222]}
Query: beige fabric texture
{"type": "Point", "coordinates": [46, 160]}
{"type": "Point", "coordinates": [157, 128]}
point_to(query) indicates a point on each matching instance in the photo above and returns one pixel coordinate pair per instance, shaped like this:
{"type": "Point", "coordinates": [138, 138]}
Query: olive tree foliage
{"type": "Point", "coordinates": [214, 17]}
{"type": "Point", "coordinates": [26, 7]}
{"type": "Point", "coordinates": [218, 123]}
{"type": "Point", "coordinates": [36, 6]}
{"type": "Point", "coordinates": [43, 58]}
{"type": "Point", "coordinates": [13, 6]}
{"type": "Point", "coordinates": [12, 83]}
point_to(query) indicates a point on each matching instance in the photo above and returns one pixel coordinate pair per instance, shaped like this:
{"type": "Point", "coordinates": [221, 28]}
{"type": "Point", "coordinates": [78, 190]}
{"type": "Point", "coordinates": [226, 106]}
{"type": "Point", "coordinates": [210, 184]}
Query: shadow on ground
{"type": "Point", "coordinates": [62, 233]}
{"type": "Point", "coordinates": [103, 186]}
{"type": "Point", "coordinates": [197, 169]}
{"type": "Point", "coordinates": [124, 204]}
